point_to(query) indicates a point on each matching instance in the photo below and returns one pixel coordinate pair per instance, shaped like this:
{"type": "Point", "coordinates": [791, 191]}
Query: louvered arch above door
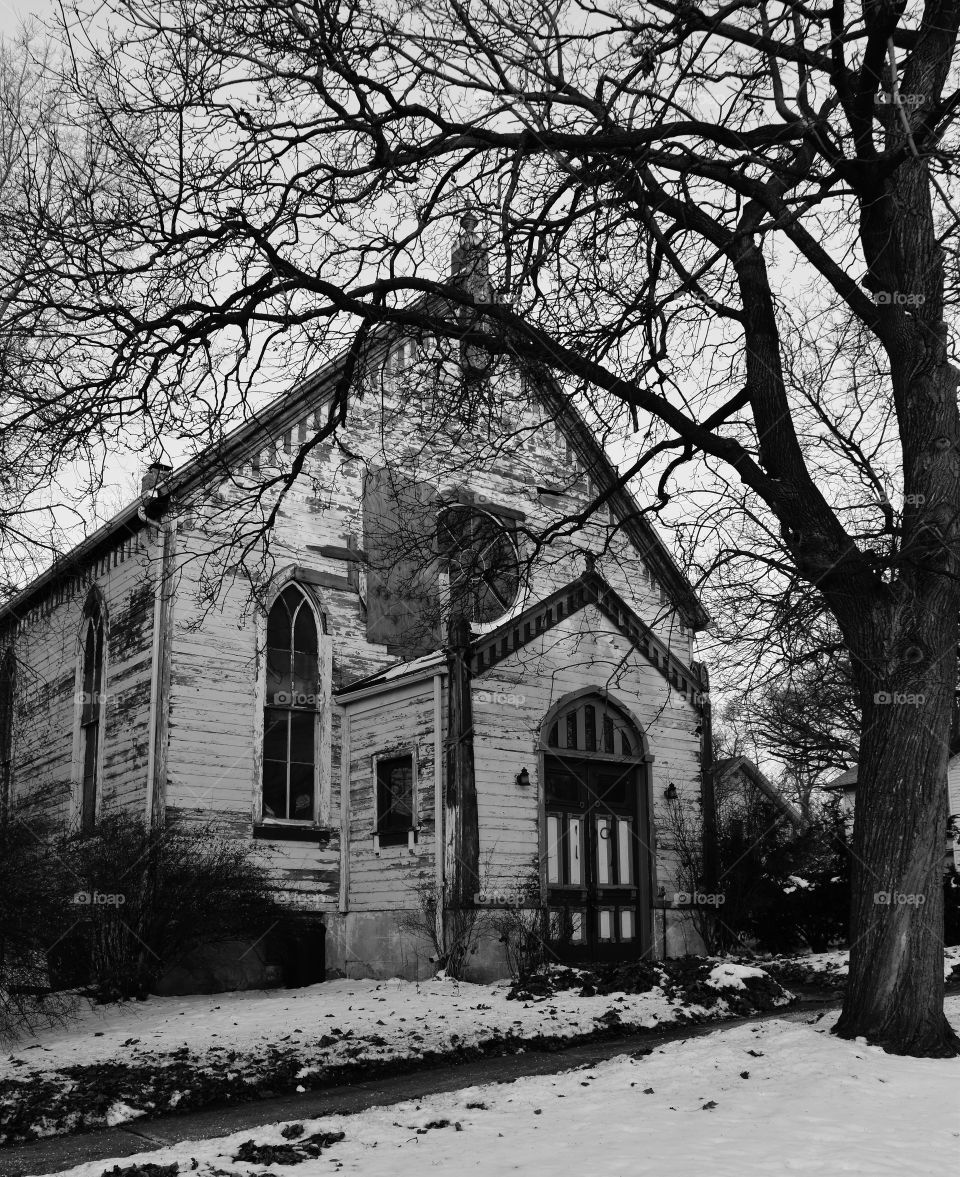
{"type": "Point", "coordinates": [591, 723]}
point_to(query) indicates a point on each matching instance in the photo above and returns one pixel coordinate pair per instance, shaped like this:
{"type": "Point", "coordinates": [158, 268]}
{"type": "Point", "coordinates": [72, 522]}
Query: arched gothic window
{"type": "Point", "coordinates": [92, 641]}
{"type": "Point", "coordinates": [292, 708]}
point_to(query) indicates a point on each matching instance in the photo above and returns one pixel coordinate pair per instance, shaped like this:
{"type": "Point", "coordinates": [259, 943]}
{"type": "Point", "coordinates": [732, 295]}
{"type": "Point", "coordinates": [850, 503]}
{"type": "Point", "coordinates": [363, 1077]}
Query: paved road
{"type": "Point", "coordinates": [54, 1154]}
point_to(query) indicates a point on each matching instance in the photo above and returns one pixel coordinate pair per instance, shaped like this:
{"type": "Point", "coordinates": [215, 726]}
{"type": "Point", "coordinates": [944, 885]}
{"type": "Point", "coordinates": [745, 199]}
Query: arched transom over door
{"type": "Point", "coordinates": [597, 833]}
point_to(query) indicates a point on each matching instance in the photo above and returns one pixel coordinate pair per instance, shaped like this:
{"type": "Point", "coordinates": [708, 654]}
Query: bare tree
{"type": "Point", "coordinates": [52, 456]}
{"type": "Point", "coordinates": [802, 717]}
{"type": "Point", "coordinates": [696, 214]}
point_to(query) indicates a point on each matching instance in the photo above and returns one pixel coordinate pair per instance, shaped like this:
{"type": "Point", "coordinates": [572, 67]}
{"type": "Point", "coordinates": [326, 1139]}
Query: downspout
{"type": "Point", "coordinates": [439, 837]}
{"type": "Point", "coordinates": [711, 865]}
{"type": "Point", "coordinates": [154, 682]}
{"type": "Point", "coordinates": [160, 677]}
{"type": "Point", "coordinates": [463, 875]}
{"type": "Point", "coordinates": [345, 812]}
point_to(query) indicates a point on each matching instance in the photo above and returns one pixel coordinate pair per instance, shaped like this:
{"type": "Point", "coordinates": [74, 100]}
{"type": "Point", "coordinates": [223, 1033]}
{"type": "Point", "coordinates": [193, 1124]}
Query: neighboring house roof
{"type": "Point", "coordinates": [846, 780]}
{"type": "Point", "coordinates": [285, 411]}
{"type": "Point", "coordinates": [488, 649]}
{"type": "Point", "coordinates": [732, 765]}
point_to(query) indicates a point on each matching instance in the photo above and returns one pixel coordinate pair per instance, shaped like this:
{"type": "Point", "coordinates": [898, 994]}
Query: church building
{"type": "Point", "coordinates": [439, 651]}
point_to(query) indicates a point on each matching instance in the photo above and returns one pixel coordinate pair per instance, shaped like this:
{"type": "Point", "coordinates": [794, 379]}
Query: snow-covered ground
{"type": "Point", "coordinates": [772, 1098]}
{"type": "Point", "coordinates": [111, 1064]}
{"type": "Point", "coordinates": [393, 1017]}
{"type": "Point", "coordinates": [178, 1052]}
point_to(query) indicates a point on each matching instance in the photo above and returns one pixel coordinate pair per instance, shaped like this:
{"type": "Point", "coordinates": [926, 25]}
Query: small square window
{"type": "Point", "coordinates": [395, 798]}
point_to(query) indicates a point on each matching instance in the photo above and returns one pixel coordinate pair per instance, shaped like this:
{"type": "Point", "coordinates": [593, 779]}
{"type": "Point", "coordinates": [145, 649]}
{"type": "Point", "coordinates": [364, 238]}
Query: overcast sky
{"type": "Point", "coordinates": [14, 12]}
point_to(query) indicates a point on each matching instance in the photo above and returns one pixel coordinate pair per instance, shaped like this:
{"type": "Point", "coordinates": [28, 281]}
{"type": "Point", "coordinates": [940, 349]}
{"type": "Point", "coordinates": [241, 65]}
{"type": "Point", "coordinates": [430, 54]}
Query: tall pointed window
{"type": "Point", "coordinates": [291, 709]}
{"type": "Point", "coordinates": [7, 689]}
{"type": "Point", "coordinates": [91, 710]}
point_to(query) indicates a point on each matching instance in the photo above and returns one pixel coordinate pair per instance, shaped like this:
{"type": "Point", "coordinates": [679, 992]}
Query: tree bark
{"type": "Point", "coordinates": [895, 991]}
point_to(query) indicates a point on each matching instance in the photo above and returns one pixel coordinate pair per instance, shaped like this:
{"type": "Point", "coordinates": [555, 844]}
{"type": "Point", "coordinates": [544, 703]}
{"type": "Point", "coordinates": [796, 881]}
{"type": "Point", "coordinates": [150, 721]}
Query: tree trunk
{"type": "Point", "coordinates": [904, 646]}
{"type": "Point", "coordinates": [895, 991]}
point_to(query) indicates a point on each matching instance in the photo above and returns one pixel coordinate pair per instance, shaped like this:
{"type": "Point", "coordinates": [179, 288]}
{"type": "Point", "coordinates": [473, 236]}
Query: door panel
{"type": "Point", "coordinates": [598, 859]}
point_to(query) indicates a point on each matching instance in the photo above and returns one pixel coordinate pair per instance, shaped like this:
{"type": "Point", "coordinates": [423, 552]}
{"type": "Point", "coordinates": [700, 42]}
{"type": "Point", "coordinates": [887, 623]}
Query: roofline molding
{"type": "Point", "coordinates": [487, 650]}
{"type": "Point", "coordinates": [625, 506]}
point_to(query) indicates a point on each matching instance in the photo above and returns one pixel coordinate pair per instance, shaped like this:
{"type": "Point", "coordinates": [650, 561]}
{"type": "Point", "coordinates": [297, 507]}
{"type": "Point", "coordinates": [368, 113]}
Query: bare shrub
{"type": "Point", "coordinates": [520, 926]}
{"type": "Point", "coordinates": [453, 931]}
{"type": "Point", "coordinates": [33, 918]}
{"type": "Point", "coordinates": [147, 896]}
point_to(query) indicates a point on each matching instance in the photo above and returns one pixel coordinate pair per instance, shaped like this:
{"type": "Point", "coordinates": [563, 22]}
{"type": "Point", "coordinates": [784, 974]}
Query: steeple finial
{"type": "Point", "coordinates": [469, 264]}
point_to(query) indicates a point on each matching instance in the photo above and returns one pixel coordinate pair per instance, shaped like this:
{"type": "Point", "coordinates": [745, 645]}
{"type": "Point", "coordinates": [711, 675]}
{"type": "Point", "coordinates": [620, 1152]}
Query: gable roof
{"type": "Point", "coordinates": [731, 765]}
{"type": "Point", "coordinates": [488, 649]}
{"type": "Point", "coordinates": [287, 410]}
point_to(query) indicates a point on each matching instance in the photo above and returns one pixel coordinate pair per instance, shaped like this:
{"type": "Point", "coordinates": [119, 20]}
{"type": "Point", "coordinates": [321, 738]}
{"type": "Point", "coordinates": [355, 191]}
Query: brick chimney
{"type": "Point", "coordinates": [155, 473]}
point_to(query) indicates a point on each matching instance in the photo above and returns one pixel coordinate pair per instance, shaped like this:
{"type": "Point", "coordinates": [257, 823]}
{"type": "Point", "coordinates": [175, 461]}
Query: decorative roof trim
{"type": "Point", "coordinates": [487, 650]}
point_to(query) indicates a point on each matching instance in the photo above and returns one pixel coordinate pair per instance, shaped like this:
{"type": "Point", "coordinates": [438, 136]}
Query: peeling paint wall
{"type": "Point", "coordinates": [45, 785]}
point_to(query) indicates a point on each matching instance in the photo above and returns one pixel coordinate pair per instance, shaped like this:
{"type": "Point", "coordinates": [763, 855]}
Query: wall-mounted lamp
{"type": "Point", "coordinates": [523, 778]}
{"type": "Point", "coordinates": [670, 792]}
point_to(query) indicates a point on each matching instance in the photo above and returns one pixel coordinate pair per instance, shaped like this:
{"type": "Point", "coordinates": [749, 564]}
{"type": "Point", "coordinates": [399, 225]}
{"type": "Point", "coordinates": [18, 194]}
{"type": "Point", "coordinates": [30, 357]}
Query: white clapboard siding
{"type": "Point", "coordinates": [397, 722]}
{"type": "Point", "coordinates": [508, 709]}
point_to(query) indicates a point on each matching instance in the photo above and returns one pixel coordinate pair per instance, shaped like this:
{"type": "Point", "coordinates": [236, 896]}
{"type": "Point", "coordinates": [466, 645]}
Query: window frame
{"type": "Point", "coordinates": [412, 833]}
{"type": "Point", "coordinates": [290, 826]}
{"type": "Point", "coordinates": [94, 614]}
{"type": "Point", "coordinates": [8, 702]}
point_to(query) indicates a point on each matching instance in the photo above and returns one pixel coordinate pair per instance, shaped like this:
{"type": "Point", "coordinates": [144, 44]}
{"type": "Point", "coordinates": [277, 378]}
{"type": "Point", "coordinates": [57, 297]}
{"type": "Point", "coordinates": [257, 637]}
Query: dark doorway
{"type": "Point", "coordinates": [598, 860]}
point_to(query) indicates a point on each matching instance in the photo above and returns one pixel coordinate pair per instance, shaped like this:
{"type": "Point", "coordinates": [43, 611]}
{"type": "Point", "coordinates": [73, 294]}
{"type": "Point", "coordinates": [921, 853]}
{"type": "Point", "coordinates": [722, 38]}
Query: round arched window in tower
{"type": "Point", "coordinates": [482, 561]}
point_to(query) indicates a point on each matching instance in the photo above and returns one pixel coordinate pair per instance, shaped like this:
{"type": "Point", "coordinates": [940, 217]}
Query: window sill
{"type": "Point", "coordinates": [400, 838]}
{"type": "Point", "coordinates": [267, 831]}
{"type": "Point", "coordinates": [396, 840]}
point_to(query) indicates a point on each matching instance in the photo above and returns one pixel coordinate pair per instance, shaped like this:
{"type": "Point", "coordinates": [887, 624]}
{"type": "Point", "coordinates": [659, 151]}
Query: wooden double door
{"type": "Point", "coordinates": [598, 859]}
